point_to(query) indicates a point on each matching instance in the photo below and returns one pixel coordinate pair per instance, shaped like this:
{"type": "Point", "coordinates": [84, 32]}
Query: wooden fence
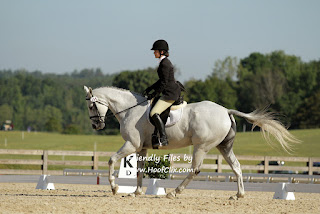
{"type": "Point", "coordinates": [45, 158]}
{"type": "Point", "coordinates": [266, 168]}
{"type": "Point", "coordinates": [45, 162]}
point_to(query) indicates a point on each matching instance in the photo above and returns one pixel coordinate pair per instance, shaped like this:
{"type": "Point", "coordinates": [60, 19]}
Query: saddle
{"type": "Point", "coordinates": [171, 115]}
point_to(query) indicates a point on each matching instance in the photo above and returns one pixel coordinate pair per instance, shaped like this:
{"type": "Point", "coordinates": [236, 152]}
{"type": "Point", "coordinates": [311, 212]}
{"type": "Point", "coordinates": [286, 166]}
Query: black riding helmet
{"type": "Point", "coordinates": [160, 45]}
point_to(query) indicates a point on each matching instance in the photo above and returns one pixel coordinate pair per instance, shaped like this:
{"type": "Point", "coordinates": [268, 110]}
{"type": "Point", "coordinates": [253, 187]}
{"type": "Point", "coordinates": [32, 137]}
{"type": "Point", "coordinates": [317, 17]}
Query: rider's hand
{"type": "Point", "coordinates": [150, 96]}
{"type": "Point", "coordinates": [146, 92]}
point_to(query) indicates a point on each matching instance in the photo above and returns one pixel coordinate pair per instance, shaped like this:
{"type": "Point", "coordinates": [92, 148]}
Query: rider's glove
{"type": "Point", "coordinates": [146, 92]}
{"type": "Point", "coordinates": [150, 96]}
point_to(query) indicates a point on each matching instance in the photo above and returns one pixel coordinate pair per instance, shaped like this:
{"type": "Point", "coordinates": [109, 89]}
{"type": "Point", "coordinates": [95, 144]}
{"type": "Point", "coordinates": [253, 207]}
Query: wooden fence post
{"type": "Point", "coordinates": [45, 162]}
{"type": "Point", "coordinates": [219, 164]}
{"type": "Point", "coordinates": [310, 170]}
{"type": "Point", "coordinates": [171, 162]}
{"type": "Point", "coordinates": [266, 165]}
{"type": "Point", "coordinates": [95, 160]}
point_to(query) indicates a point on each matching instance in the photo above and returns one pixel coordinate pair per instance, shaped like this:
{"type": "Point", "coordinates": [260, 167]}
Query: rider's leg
{"type": "Point", "coordinates": [158, 108]}
{"type": "Point", "coordinates": [161, 128]}
{"type": "Point", "coordinates": [154, 138]}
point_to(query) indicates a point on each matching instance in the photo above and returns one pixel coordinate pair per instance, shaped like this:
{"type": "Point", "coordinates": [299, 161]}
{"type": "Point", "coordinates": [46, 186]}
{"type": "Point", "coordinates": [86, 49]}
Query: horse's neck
{"type": "Point", "coordinates": [118, 99]}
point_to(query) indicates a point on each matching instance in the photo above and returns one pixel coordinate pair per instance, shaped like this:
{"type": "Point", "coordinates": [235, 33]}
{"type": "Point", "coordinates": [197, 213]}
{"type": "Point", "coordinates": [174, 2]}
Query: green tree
{"type": "Point", "coordinates": [213, 89]}
{"type": "Point", "coordinates": [226, 69]}
{"type": "Point", "coordinates": [71, 129]}
{"type": "Point", "coordinates": [273, 79]}
{"type": "Point", "coordinates": [53, 119]}
{"type": "Point", "coordinates": [136, 81]}
{"type": "Point", "coordinates": [28, 94]}
{"type": "Point", "coordinates": [219, 87]}
{"type": "Point", "coordinates": [308, 115]}
{"type": "Point", "coordinates": [291, 88]}
{"type": "Point", "coordinates": [6, 113]}
{"type": "Point", "coordinates": [53, 125]}
{"type": "Point", "coordinates": [197, 91]}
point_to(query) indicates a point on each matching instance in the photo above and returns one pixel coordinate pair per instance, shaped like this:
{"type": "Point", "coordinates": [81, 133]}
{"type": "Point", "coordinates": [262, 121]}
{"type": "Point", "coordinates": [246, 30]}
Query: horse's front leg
{"type": "Point", "coordinates": [124, 151]}
{"type": "Point", "coordinates": [141, 160]}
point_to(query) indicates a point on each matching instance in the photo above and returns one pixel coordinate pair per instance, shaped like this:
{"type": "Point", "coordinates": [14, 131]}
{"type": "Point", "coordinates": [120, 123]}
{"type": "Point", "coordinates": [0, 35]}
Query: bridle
{"type": "Point", "coordinates": [95, 100]}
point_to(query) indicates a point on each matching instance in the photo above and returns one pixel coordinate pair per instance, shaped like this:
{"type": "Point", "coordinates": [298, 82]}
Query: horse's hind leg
{"type": "Point", "coordinates": [226, 150]}
{"type": "Point", "coordinates": [198, 155]}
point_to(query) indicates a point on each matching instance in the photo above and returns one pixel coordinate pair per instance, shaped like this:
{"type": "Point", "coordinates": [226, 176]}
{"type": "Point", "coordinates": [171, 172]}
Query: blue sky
{"type": "Point", "coordinates": [65, 35]}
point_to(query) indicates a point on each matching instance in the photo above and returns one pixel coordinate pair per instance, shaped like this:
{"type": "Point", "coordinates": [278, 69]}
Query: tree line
{"type": "Point", "coordinates": [55, 102]}
{"type": "Point", "coordinates": [48, 102]}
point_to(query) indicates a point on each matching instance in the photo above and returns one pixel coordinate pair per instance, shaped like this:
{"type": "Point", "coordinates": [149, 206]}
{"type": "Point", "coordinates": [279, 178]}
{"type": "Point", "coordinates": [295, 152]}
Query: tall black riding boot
{"type": "Point", "coordinates": [160, 126]}
{"type": "Point", "coordinates": [155, 139]}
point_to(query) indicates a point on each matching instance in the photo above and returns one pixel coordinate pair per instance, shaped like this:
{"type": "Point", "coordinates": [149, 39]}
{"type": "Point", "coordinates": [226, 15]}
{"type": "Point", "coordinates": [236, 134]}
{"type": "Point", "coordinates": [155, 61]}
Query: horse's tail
{"type": "Point", "coordinates": [266, 121]}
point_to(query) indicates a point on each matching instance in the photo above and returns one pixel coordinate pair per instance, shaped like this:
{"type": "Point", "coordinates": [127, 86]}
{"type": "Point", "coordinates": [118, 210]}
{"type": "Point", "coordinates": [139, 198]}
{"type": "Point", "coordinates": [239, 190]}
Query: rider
{"type": "Point", "coordinates": [167, 87]}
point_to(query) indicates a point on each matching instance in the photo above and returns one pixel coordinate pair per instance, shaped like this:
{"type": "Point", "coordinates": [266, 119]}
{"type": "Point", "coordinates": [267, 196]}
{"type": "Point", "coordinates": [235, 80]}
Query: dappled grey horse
{"type": "Point", "coordinates": [204, 125]}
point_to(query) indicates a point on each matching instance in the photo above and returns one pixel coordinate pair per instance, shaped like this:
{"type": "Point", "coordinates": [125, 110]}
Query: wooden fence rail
{"type": "Point", "coordinates": [45, 160]}
{"type": "Point", "coordinates": [219, 166]}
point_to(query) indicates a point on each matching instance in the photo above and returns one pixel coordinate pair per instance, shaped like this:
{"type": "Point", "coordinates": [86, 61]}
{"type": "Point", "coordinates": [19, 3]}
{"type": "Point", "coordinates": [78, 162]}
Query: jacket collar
{"type": "Point", "coordinates": [161, 58]}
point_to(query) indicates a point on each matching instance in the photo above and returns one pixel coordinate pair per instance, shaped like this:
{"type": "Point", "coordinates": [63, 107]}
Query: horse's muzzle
{"type": "Point", "coordinates": [98, 126]}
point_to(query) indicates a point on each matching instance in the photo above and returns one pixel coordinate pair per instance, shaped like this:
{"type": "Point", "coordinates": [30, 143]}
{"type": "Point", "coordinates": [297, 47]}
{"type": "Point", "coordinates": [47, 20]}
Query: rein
{"type": "Point", "coordinates": [95, 100]}
{"type": "Point", "coordinates": [110, 114]}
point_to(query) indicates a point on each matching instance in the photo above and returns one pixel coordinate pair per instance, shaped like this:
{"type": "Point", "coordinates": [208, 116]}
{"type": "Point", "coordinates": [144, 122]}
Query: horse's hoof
{"type": "Point", "coordinates": [138, 193]}
{"type": "Point", "coordinates": [171, 195]}
{"type": "Point", "coordinates": [240, 195]}
{"type": "Point", "coordinates": [132, 195]}
{"type": "Point", "coordinates": [233, 198]}
{"type": "Point", "coordinates": [115, 189]}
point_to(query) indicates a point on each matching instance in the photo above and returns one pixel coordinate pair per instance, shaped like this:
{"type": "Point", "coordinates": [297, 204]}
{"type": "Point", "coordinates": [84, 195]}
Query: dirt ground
{"type": "Point", "coordinates": [75, 198]}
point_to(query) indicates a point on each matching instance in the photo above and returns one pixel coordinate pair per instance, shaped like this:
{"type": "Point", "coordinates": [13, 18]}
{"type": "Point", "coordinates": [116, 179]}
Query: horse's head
{"type": "Point", "coordinates": [97, 109]}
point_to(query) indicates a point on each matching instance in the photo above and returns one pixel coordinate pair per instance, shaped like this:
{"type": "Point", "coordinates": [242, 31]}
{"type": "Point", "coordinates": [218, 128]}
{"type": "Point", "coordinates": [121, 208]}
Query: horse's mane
{"type": "Point", "coordinates": [120, 89]}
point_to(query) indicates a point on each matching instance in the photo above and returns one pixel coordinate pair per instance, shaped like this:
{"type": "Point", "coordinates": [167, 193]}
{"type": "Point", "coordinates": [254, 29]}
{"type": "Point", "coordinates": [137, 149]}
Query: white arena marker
{"type": "Point", "coordinates": [43, 183]}
{"type": "Point", "coordinates": [128, 169]}
{"type": "Point", "coordinates": [154, 189]}
{"type": "Point", "coordinates": [281, 193]}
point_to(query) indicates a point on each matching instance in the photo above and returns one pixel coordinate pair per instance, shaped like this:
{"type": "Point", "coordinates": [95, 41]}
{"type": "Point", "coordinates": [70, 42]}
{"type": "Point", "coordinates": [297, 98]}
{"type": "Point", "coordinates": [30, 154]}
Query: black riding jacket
{"type": "Point", "coordinates": [166, 84]}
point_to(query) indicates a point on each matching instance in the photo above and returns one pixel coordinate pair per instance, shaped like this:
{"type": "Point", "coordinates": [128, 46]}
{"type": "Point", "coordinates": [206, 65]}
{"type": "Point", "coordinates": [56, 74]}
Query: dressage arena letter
{"type": "Point", "coordinates": [127, 161]}
{"type": "Point", "coordinates": [128, 167]}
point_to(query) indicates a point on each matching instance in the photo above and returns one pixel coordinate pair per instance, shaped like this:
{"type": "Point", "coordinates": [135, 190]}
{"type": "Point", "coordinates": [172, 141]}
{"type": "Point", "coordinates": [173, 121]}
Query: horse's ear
{"type": "Point", "coordinates": [86, 89]}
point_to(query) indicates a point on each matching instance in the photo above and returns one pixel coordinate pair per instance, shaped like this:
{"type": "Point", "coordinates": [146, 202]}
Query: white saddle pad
{"type": "Point", "coordinates": [174, 116]}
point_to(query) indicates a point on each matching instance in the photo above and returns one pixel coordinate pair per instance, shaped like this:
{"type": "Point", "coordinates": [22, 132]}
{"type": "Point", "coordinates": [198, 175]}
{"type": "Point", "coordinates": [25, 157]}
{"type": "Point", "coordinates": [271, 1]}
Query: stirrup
{"type": "Point", "coordinates": [159, 142]}
{"type": "Point", "coordinates": [164, 141]}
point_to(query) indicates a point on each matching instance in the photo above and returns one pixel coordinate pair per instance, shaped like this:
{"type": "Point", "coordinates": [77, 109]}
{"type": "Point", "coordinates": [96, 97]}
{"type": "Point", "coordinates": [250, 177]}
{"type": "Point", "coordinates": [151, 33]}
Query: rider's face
{"type": "Point", "coordinates": [156, 54]}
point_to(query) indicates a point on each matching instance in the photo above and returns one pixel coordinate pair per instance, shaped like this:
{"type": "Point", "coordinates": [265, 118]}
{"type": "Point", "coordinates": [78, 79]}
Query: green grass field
{"type": "Point", "coordinates": [249, 143]}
